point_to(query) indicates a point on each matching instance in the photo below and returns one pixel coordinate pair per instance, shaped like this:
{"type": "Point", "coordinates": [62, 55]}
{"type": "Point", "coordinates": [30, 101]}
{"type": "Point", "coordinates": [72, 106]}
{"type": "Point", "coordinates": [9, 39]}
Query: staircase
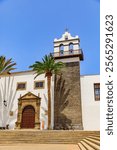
{"type": "Point", "coordinates": [90, 143]}
{"type": "Point", "coordinates": [49, 137]}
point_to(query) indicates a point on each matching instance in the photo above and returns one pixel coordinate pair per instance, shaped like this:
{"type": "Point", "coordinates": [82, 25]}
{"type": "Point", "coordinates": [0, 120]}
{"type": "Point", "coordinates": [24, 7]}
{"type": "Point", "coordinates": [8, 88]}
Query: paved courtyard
{"type": "Point", "coordinates": [40, 147]}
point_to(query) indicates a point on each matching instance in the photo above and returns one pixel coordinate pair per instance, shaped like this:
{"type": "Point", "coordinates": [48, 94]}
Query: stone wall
{"type": "Point", "coordinates": [67, 98]}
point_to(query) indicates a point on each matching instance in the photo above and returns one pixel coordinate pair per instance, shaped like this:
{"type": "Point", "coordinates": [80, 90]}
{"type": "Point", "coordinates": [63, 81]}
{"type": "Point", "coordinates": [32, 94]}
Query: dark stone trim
{"type": "Point", "coordinates": [70, 56]}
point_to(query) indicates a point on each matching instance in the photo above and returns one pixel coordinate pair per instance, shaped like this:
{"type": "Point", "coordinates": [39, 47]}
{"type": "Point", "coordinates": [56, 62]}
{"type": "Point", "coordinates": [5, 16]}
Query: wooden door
{"type": "Point", "coordinates": [28, 117]}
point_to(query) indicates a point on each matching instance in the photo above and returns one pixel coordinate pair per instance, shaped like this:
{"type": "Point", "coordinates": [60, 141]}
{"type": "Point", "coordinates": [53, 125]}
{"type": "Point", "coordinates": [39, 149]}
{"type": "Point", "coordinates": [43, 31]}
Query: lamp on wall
{"type": "Point", "coordinates": [5, 103]}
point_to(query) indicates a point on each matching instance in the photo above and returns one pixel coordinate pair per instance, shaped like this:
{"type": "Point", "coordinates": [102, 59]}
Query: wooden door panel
{"type": "Point", "coordinates": [28, 117]}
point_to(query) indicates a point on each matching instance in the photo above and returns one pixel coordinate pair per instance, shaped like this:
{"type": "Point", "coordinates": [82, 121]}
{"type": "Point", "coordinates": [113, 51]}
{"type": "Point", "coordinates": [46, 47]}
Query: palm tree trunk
{"type": "Point", "coordinates": [49, 100]}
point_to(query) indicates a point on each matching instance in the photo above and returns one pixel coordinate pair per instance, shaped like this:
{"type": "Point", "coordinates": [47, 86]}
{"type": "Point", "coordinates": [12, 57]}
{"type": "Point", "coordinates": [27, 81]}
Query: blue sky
{"type": "Point", "coordinates": [28, 28]}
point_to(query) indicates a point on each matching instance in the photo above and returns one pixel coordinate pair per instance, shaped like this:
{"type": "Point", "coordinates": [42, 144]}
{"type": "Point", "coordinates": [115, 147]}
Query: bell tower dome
{"type": "Point", "coordinates": [67, 90]}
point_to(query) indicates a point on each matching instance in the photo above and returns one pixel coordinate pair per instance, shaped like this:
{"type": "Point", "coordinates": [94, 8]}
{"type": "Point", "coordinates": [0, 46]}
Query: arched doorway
{"type": "Point", "coordinates": [28, 117]}
{"type": "Point", "coordinates": [28, 111]}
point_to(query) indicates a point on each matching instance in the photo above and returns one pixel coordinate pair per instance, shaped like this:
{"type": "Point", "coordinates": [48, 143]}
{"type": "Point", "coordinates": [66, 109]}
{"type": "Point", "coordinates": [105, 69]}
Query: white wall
{"type": "Point", "coordinates": [11, 95]}
{"type": "Point", "coordinates": [90, 107]}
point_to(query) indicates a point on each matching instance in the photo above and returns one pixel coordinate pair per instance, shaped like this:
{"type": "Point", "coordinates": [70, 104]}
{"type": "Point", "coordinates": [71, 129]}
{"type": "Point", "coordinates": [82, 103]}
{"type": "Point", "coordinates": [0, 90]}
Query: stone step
{"type": "Point", "coordinates": [95, 137]}
{"type": "Point", "coordinates": [94, 141]}
{"type": "Point", "coordinates": [55, 133]}
{"type": "Point", "coordinates": [44, 137]}
{"type": "Point", "coordinates": [88, 147]}
{"type": "Point", "coordinates": [81, 147]}
{"type": "Point", "coordinates": [90, 143]}
{"type": "Point", "coordinates": [95, 146]}
{"type": "Point", "coordinates": [46, 134]}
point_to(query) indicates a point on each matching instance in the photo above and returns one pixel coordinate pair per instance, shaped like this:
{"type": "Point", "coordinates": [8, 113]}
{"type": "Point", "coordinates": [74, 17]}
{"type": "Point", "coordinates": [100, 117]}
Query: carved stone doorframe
{"type": "Point", "coordinates": [26, 100]}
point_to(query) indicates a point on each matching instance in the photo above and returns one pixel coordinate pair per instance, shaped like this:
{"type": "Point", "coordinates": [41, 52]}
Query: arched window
{"type": "Point", "coordinates": [61, 48]}
{"type": "Point", "coordinates": [71, 48]}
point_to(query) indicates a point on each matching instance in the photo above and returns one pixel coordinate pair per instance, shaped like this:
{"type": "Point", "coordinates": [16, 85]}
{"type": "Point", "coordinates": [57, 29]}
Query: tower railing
{"type": "Point", "coordinates": [70, 53]}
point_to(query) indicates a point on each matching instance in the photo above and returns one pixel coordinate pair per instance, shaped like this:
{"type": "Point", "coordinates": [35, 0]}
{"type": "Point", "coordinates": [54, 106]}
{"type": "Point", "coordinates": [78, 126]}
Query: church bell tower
{"type": "Point", "coordinates": [67, 90]}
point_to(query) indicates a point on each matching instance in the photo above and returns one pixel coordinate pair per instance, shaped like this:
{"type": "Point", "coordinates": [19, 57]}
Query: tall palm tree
{"type": "Point", "coordinates": [6, 65]}
{"type": "Point", "coordinates": [48, 66]}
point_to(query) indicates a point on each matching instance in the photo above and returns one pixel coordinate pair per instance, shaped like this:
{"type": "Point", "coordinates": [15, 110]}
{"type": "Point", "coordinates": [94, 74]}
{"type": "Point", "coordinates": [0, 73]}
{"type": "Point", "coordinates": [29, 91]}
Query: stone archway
{"type": "Point", "coordinates": [28, 106]}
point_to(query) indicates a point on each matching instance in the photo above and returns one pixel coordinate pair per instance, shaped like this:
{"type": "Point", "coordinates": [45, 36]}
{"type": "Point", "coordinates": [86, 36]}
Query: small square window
{"type": "Point", "coordinates": [21, 86]}
{"type": "Point", "coordinates": [38, 84]}
{"type": "Point", "coordinates": [97, 91]}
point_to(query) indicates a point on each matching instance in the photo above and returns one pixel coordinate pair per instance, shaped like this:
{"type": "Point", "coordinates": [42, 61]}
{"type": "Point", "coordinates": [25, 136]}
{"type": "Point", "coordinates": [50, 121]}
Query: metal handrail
{"type": "Point", "coordinates": [67, 53]}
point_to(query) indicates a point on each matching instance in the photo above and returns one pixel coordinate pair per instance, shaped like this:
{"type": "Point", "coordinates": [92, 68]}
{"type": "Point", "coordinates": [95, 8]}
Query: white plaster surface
{"type": "Point", "coordinates": [11, 95]}
{"type": "Point", "coordinates": [90, 107]}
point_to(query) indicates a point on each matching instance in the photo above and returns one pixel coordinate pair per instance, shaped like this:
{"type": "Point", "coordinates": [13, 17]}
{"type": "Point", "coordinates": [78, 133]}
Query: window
{"type": "Point", "coordinates": [97, 91]}
{"type": "Point", "coordinates": [61, 52]}
{"type": "Point", "coordinates": [61, 48]}
{"type": "Point", "coordinates": [71, 48]}
{"type": "Point", "coordinates": [38, 84]}
{"type": "Point", "coordinates": [21, 86]}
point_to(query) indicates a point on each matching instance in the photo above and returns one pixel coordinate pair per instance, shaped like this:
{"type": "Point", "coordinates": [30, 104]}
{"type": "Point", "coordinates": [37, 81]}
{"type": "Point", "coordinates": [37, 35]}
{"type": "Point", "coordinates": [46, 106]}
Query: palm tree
{"type": "Point", "coordinates": [48, 66]}
{"type": "Point", "coordinates": [6, 65]}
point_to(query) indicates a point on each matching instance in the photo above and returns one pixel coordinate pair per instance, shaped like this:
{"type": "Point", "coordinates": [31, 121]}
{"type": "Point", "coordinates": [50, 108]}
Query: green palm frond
{"type": "Point", "coordinates": [6, 65]}
{"type": "Point", "coordinates": [48, 65]}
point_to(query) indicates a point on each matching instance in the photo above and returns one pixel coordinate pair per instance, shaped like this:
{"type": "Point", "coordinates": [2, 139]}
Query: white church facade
{"type": "Point", "coordinates": [75, 98]}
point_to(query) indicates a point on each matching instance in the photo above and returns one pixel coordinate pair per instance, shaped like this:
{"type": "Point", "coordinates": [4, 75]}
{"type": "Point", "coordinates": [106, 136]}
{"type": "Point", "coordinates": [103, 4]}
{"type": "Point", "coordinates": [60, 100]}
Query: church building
{"type": "Point", "coordinates": [75, 98]}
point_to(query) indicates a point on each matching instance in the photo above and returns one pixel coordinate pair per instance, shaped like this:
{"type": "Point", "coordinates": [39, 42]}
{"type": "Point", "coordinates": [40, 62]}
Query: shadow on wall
{"type": "Point", "coordinates": [61, 121]}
